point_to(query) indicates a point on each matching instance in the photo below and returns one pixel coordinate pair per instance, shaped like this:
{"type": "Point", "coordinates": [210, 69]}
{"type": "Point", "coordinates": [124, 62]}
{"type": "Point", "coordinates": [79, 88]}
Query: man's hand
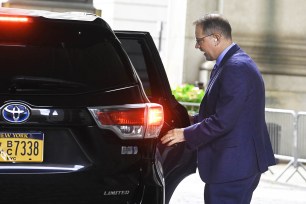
{"type": "Point", "coordinates": [173, 136]}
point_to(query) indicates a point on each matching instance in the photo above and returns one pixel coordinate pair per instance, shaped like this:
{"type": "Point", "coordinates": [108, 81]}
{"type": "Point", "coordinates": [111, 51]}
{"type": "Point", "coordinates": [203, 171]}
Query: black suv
{"type": "Point", "coordinates": [82, 110]}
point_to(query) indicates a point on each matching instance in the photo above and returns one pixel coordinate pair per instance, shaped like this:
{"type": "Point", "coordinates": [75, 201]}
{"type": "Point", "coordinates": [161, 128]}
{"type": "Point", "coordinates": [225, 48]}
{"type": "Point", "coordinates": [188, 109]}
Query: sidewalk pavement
{"type": "Point", "coordinates": [290, 187]}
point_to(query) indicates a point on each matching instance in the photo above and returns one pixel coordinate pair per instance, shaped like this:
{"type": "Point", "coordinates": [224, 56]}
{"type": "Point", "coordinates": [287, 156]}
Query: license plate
{"type": "Point", "coordinates": [21, 146]}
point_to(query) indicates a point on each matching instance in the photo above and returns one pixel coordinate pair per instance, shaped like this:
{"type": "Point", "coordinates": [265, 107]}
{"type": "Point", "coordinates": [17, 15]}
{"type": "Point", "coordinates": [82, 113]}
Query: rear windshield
{"type": "Point", "coordinates": [60, 58]}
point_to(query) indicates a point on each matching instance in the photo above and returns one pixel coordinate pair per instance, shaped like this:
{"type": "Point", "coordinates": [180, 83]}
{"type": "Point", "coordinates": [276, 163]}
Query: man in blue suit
{"type": "Point", "coordinates": [229, 133]}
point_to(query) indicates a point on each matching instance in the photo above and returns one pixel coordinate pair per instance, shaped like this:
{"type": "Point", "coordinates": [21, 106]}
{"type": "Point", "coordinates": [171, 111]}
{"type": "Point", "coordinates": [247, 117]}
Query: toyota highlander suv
{"type": "Point", "coordinates": [83, 108]}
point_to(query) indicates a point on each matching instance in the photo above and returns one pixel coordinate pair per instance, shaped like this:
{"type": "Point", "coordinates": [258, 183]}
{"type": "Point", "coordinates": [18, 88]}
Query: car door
{"type": "Point", "coordinates": [177, 161]}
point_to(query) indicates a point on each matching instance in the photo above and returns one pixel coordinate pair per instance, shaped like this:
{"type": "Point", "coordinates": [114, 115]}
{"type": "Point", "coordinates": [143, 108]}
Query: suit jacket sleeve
{"type": "Point", "coordinates": [230, 93]}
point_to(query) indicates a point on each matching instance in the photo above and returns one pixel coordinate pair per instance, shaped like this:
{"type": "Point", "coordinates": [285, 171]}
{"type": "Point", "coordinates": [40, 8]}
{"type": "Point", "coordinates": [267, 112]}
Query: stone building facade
{"type": "Point", "coordinates": [272, 32]}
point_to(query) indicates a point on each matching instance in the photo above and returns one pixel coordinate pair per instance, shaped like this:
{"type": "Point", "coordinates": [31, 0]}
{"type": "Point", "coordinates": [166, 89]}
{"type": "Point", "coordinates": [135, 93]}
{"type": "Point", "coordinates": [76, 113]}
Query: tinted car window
{"type": "Point", "coordinates": [74, 60]}
{"type": "Point", "coordinates": [133, 48]}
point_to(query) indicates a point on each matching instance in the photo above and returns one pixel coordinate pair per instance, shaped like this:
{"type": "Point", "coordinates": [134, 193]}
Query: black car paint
{"type": "Point", "coordinates": [83, 163]}
{"type": "Point", "coordinates": [177, 161]}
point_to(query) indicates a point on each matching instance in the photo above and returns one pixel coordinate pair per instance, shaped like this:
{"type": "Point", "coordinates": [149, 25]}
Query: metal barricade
{"type": "Point", "coordinates": [301, 135]}
{"type": "Point", "coordinates": [283, 135]}
{"type": "Point", "coordinates": [287, 131]}
{"type": "Point", "coordinates": [299, 151]}
{"type": "Point", "coordinates": [281, 127]}
{"type": "Point", "coordinates": [301, 144]}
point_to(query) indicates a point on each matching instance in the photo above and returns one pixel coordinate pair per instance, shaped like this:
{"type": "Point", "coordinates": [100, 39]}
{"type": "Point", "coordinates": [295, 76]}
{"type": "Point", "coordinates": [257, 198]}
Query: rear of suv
{"type": "Point", "coordinates": [82, 111]}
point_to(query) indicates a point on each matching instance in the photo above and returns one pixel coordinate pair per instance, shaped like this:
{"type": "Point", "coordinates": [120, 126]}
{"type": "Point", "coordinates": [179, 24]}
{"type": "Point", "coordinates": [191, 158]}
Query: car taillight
{"type": "Point", "coordinates": [17, 19]}
{"type": "Point", "coordinates": [131, 121]}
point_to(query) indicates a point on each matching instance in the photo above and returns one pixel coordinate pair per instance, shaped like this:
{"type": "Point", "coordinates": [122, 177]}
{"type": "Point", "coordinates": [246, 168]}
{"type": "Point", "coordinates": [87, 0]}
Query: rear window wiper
{"type": "Point", "coordinates": [32, 83]}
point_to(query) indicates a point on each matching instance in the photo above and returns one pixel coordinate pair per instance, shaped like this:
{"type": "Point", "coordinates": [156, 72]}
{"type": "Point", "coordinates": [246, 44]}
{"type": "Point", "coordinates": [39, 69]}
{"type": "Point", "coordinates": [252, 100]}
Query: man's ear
{"type": "Point", "coordinates": [217, 36]}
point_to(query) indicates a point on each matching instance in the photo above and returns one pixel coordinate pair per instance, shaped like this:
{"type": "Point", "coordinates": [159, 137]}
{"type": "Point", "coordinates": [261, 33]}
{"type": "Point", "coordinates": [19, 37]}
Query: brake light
{"type": "Point", "coordinates": [155, 115]}
{"type": "Point", "coordinates": [17, 19]}
{"type": "Point", "coordinates": [121, 117]}
{"type": "Point", "coordinates": [132, 121]}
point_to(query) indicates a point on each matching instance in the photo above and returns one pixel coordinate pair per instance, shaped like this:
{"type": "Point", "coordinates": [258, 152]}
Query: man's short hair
{"type": "Point", "coordinates": [215, 23]}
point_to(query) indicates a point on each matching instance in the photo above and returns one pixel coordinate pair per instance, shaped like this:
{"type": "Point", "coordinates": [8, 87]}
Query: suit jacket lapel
{"type": "Point", "coordinates": [231, 51]}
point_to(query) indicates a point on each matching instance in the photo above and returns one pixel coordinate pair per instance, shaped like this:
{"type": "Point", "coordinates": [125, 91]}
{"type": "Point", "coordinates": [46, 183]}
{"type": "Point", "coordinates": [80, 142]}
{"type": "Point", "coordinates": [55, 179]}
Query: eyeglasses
{"type": "Point", "coordinates": [198, 40]}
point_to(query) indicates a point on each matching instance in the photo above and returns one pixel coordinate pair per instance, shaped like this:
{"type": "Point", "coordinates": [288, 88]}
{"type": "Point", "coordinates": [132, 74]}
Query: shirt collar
{"type": "Point", "coordinates": [219, 59]}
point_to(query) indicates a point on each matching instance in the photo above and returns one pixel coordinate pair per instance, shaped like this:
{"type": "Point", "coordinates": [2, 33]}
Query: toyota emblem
{"type": "Point", "coordinates": [15, 113]}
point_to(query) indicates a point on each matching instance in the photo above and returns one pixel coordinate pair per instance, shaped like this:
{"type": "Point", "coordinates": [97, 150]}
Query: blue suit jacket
{"type": "Point", "coordinates": [230, 132]}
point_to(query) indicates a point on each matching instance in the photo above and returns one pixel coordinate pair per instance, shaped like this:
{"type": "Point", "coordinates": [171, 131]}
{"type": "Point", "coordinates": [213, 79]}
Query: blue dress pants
{"type": "Point", "coordinates": [236, 192]}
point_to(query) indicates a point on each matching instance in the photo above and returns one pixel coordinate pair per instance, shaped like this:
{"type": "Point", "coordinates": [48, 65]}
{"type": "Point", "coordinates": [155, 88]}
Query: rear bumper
{"type": "Point", "coordinates": [77, 184]}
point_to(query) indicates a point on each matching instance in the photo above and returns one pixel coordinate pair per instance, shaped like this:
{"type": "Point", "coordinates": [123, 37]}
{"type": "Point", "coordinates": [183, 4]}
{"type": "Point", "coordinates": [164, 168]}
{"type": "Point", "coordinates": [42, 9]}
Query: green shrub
{"type": "Point", "coordinates": [188, 93]}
